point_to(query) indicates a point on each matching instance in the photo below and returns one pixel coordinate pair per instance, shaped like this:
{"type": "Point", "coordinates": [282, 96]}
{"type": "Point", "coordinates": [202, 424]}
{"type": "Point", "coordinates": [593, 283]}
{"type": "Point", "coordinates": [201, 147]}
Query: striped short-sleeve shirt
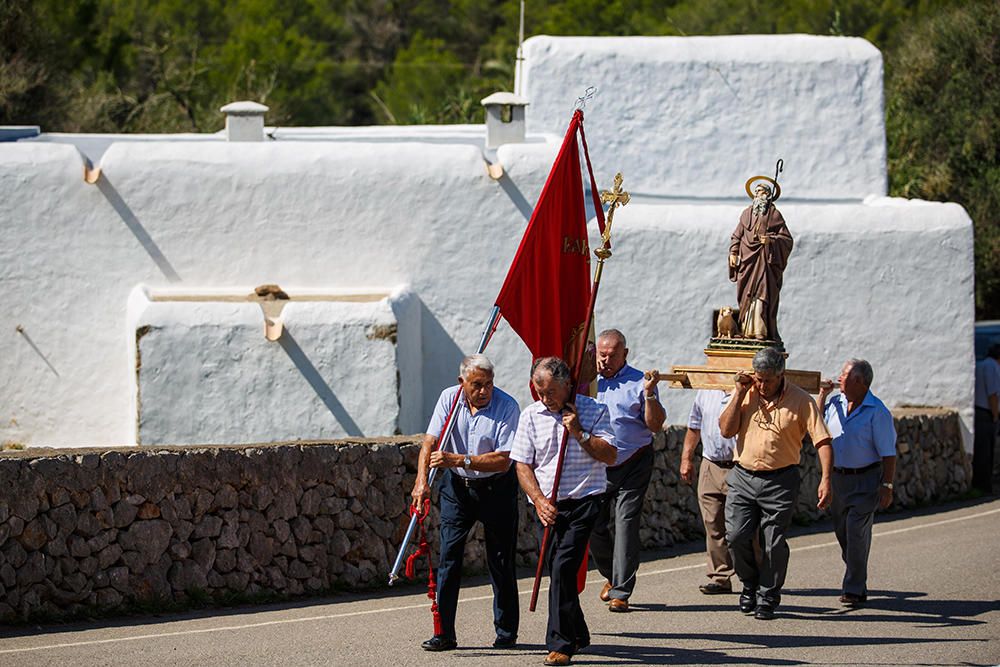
{"type": "Point", "coordinates": [536, 443]}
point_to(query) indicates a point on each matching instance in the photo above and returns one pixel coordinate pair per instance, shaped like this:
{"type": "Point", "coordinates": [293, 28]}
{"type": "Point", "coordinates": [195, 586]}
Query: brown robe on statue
{"type": "Point", "coordinates": [758, 274]}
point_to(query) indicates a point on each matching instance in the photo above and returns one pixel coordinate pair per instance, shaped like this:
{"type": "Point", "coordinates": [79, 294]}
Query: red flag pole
{"type": "Point", "coordinates": [616, 197]}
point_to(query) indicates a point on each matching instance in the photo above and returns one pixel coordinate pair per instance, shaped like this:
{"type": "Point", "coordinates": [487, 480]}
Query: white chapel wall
{"type": "Point", "coordinates": [885, 279]}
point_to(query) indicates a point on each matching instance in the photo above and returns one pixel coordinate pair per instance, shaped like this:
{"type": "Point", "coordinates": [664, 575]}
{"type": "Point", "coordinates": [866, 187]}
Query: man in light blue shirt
{"type": "Point", "coordinates": [864, 463]}
{"type": "Point", "coordinates": [634, 406]}
{"type": "Point", "coordinates": [478, 485]}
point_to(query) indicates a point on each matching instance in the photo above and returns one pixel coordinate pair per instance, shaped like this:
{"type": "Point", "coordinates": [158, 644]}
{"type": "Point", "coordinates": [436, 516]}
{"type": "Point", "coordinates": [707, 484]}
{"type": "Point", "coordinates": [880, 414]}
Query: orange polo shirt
{"type": "Point", "coordinates": [771, 432]}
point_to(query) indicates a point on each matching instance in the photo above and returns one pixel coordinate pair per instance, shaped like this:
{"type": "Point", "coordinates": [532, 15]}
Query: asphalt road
{"type": "Point", "coordinates": [935, 580]}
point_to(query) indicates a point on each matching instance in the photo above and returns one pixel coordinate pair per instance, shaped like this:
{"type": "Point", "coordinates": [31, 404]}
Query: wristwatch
{"type": "Point", "coordinates": [584, 438]}
{"type": "Point", "coordinates": [467, 462]}
{"type": "Point", "coordinates": [887, 485]}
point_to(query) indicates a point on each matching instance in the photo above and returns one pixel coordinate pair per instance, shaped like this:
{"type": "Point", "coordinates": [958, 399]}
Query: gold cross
{"type": "Point", "coordinates": [615, 197]}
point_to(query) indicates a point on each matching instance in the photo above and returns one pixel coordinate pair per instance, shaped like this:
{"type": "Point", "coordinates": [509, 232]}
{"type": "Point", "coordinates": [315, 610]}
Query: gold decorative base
{"type": "Point", "coordinates": [740, 343]}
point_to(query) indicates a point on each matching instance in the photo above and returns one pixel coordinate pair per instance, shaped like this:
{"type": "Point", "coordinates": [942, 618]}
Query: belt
{"type": "Point", "coordinates": [856, 471]}
{"type": "Point", "coordinates": [635, 453]}
{"type": "Point", "coordinates": [477, 483]}
{"type": "Point", "coordinates": [765, 473]}
{"type": "Point", "coordinates": [569, 504]}
{"type": "Point", "coordinates": [723, 464]}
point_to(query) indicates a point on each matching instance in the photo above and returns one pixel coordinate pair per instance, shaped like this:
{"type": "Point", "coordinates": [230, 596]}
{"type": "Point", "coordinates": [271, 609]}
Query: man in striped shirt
{"type": "Point", "coordinates": [589, 450]}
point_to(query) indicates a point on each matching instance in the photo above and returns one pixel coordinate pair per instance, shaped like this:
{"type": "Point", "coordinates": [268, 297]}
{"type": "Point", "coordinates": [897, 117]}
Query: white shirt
{"type": "Point", "coordinates": [705, 413]}
{"type": "Point", "coordinates": [539, 434]}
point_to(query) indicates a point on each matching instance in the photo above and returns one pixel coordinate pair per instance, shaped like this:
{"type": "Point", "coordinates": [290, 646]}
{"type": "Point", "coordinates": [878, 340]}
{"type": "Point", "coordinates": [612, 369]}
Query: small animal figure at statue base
{"type": "Point", "coordinates": [726, 323]}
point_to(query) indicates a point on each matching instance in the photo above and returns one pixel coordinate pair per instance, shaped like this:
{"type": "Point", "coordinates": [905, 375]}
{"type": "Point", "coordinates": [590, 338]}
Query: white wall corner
{"type": "Point", "coordinates": [138, 302]}
{"type": "Point", "coordinates": [409, 360]}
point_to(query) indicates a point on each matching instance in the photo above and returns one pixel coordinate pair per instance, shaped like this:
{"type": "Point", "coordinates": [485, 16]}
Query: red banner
{"type": "Point", "coordinates": [547, 289]}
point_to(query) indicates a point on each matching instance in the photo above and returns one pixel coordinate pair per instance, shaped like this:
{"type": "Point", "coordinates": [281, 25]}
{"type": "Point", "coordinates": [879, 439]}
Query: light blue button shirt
{"type": "Point", "coordinates": [705, 413]}
{"type": "Point", "coordinates": [625, 396]}
{"type": "Point", "coordinates": [491, 429]}
{"type": "Point", "coordinates": [987, 381]}
{"type": "Point", "coordinates": [863, 437]}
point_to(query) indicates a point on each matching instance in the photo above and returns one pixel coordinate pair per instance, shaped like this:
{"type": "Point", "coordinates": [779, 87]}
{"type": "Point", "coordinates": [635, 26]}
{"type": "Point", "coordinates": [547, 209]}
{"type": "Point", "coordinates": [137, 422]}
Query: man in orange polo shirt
{"type": "Point", "coordinates": [769, 417]}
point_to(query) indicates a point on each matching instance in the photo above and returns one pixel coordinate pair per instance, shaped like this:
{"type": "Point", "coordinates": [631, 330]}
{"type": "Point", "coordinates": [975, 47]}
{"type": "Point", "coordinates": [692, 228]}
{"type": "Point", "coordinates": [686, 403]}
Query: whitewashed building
{"type": "Point", "coordinates": [128, 263]}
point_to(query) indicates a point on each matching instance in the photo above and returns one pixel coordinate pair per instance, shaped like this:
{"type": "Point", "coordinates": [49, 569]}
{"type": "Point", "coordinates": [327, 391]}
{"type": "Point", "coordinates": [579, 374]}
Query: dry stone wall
{"type": "Point", "coordinates": [89, 529]}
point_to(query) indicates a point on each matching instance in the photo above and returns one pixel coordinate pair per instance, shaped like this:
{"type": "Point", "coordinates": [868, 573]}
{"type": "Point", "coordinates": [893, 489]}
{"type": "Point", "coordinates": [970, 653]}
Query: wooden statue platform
{"type": "Point", "coordinates": [725, 358]}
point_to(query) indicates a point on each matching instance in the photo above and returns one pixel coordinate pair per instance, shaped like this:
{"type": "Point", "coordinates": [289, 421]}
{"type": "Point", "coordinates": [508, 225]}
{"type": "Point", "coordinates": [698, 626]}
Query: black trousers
{"type": "Point", "coordinates": [984, 440]}
{"type": "Point", "coordinates": [567, 629]}
{"type": "Point", "coordinates": [494, 503]}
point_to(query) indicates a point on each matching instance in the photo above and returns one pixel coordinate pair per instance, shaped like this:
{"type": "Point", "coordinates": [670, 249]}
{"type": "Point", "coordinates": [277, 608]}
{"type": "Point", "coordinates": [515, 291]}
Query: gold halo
{"type": "Point", "coordinates": [774, 184]}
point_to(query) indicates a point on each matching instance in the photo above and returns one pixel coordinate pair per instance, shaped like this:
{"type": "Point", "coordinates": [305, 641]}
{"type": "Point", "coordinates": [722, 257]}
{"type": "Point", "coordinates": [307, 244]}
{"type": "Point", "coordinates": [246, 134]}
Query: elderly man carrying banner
{"type": "Point", "coordinates": [478, 485]}
{"type": "Point", "coordinates": [589, 451]}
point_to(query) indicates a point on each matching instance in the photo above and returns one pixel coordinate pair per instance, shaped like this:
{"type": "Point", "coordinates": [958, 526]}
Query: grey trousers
{"type": "Point", "coordinates": [761, 501]}
{"type": "Point", "coordinates": [855, 499]}
{"type": "Point", "coordinates": [617, 556]}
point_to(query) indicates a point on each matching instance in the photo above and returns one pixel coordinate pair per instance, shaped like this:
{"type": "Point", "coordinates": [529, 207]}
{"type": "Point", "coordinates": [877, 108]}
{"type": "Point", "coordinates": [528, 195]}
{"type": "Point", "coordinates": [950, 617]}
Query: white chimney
{"type": "Point", "coordinates": [244, 121]}
{"type": "Point", "coordinates": [504, 119]}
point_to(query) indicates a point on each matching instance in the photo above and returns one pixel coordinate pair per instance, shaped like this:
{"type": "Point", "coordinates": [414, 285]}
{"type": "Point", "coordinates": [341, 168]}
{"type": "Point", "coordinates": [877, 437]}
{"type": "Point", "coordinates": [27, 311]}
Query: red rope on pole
{"type": "Point", "coordinates": [424, 549]}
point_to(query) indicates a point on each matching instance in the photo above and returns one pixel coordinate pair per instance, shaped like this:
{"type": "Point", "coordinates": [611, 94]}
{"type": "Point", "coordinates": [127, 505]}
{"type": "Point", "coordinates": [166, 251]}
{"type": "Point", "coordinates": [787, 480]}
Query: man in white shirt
{"type": "Point", "coordinates": [716, 462]}
{"type": "Point", "coordinates": [589, 450]}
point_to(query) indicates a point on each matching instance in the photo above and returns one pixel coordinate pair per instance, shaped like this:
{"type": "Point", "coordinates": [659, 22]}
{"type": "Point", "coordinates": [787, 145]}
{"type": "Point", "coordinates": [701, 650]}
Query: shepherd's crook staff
{"type": "Point", "coordinates": [442, 443]}
{"type": "Point", "coordinates": [615, 197]}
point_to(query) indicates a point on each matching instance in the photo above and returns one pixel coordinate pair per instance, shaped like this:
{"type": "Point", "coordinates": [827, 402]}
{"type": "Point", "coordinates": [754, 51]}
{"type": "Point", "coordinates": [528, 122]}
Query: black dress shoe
{"type": "Point", "coordinates": [439, 643]}
{"type": "Point", "coordinates": [748, 601]}
{"type": "Point", "coordinates": [505, 642]}
{"type": "Point", "coordinates": [852, 600]}
{"type": "Point", "coordinates": [765, 612]}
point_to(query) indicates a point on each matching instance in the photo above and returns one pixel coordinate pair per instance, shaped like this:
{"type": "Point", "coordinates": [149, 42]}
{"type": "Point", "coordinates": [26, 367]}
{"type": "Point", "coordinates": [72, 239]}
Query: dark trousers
{"type": "Point", "coordinates": [495, 504]}
{"type": "Point", "coordinates": [567, 629]}
{"type": "Point", "coordinates": [761, 501]}
{"type": "Point", "coordinates": [855, 498]}
{"type": "Point", "coordinates": [617, 556]}
{"type": "Point", "coordinates": [984, 440]}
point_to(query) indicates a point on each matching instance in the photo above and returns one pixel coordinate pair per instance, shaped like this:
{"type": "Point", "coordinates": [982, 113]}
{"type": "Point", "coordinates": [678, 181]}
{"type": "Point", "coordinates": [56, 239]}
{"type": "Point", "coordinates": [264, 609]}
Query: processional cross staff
{"type": "Point", "coordinates": [615, 197]}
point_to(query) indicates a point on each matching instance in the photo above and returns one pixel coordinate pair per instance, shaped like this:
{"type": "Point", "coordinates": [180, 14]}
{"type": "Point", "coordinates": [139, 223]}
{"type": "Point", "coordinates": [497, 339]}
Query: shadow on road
{"type": "Point", "coordinates": [905, 606]}
{"type": "Point", "coordinates": [663, 654]}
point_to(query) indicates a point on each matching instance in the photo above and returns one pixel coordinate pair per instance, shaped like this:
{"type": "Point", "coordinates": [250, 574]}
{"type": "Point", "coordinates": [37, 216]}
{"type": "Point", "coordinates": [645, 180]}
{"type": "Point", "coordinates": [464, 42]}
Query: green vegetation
{"type": "Point", "coordinates": [942, 106]}
{"type": "Point", "coordinates": [168, 65]}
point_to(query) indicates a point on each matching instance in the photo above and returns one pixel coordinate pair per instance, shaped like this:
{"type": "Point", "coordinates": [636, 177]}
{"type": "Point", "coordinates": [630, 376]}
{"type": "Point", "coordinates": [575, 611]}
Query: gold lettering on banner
{"type": "Point", "coordinates": [576, 246]}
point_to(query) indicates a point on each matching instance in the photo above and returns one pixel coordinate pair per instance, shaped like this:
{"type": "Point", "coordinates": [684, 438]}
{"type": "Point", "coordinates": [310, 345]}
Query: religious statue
{"type": "Point", "coordinates": [758, 254]}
